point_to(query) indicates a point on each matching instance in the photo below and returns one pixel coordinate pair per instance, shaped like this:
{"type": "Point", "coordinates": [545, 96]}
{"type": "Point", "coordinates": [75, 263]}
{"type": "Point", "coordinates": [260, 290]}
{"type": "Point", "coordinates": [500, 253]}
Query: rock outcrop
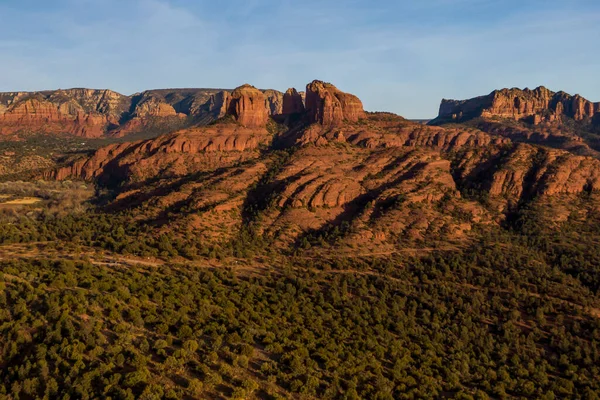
{"type": "Point", "coordinates": [185, 151]}
{"type": "Point", "coordinates": [248, 106]}
{"type": "Point", "coordinates": [81, 112]}
{"type": "Point", "coordinates": [327, 105]}
{"type": "Point", "coordinates": [153, 107]}
{"type": "Point", "coordinates": [523, 172]}
{"type": "Point", "coordinates": [273, 101]}
{"type": "Point", "coordinates": [292, 102]}
{"type": "Point", "coordinates": [96, 113]}
{"type": "Point", "coordinates": [390, 131]}
{"type": "Point", "coordinates": [534, 106]}
{"type": "Point", "coordinates": [218, 103]}
{"type": "Point", "coordinates": [386, 177]}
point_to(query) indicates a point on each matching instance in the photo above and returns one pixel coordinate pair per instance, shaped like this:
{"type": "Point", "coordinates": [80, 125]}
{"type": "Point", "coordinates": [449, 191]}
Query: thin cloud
{"type": "Point", "coordinates": [397, 56]}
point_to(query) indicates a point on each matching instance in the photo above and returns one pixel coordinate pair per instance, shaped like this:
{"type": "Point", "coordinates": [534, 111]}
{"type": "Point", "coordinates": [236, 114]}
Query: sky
{"type": "Point", "coordinates": [401, 56]}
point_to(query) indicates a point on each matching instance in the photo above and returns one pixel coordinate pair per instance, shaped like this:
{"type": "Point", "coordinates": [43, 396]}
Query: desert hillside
{"type": "Point", "coordinates": [91, 113]}
{"type": "Point", "coordinates": [251, 244]}
{"type": "Point", "coordinates": [555, 119]}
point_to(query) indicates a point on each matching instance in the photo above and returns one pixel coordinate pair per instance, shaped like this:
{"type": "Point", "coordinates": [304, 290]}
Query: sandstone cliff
{"type": "Point", "coordinates": [96, 113]}
{"type": "Point", "coordinates": [293, 103]}
{"type": "Point", "coordinates": [80, 112]}
{"type": "Point", "coordinates": [185, 151]}
{"type": "Point", "coordinates": [273, 101]}
{"type": "Point", "coordinates": [248, 106]}
{"type": "Point", "coordinates": [328, 105]}
{"type": "Point", "coordinates": [537, 116]}
{"type": "Point", "coordinates": [533, 106]}
{"type": "Point", "coordinates": [386, 177]}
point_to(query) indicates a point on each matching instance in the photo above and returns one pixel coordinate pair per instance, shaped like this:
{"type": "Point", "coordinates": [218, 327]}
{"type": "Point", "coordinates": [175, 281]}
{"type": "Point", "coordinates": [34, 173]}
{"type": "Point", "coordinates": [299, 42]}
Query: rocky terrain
{"type": "Point", "coordinates": [327, 105]}
{"type": "Point", "coordinates": [541, 116]}
{"type": "Point", "coordinates": [293, 245]}
{"type": "Point", "coordinates": [535, 106]}
{"type": "Point", "coordinates": [325, 164]}
{"type": "Point", "coordinates": [97, 113]}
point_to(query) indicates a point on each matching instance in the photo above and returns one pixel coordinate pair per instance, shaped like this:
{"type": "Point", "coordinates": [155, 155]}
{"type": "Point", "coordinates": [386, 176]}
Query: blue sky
{"type": "Point", "coordinates": [398, 56]}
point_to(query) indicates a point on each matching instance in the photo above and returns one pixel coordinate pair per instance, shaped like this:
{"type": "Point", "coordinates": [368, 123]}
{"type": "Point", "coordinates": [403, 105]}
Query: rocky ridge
{"type": "Point", "coordinates": [331, 165]}
{"type": "Point", "coordinates": [328, 105]}
{"type": "Point", "coordinates": [98, 113]}
{"type": "Point", "coordinates": [540, 116]}
{"type": "Point", "coordinates": [534, 106]}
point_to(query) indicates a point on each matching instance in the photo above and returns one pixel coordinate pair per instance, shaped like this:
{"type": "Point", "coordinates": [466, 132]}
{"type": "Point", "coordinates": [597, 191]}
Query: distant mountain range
{"type": "Point", "coordinates": [541, 116]}
{"type": "Point", "coordinates": [94, 113]}
{"type": "Point", "coordinates": [342, 166]}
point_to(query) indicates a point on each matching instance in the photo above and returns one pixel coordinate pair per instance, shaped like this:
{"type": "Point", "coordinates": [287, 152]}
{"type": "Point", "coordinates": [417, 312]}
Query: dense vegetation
{"type": "Point", "coordinates": [479, 324]}
{"type": "Point", "coordinates": [516, 314]}
{"type": "Point", "coordinates": [116, 233]}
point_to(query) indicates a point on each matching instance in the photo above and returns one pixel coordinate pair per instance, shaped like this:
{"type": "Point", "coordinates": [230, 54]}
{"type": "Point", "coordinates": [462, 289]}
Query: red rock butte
{"type": "Point", "coordinates": [247, 105]}
{"type": "Point", "coordinates": [293, 102]}
{"type": "Point", "coordinates": [384, 175]}
{"type": "Point", "coordinates": [328, 105]}
{"type": "Point", "coordinates": [536, 106]}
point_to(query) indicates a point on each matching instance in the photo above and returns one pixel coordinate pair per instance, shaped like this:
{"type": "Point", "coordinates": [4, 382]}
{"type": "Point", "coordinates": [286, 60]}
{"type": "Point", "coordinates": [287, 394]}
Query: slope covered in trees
{"type": "Point", "coordinates": [326, 253]}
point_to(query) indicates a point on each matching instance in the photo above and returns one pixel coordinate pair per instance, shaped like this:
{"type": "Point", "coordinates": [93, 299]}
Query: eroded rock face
{"type": "Point", "coordinates": [95, 113]}
{"type": "Point", "coordinates": [273, 101]}
{"type": "Point", "coordinates": [292, 102]}
{"type": "Point", "coordinates": [327, 105]}
{"type": "Point", "coordinates": [388, 131]}
{"type": "Point", "coordinates": [583, 108]}
{"type": "Point", "coordinates": [81, 112]}
{"type": "Point", "coordinates": [185, 151]}
{"type": "Point", "coordinates": [248, 106]}
{"type": "Point", "coordinates": [523, 172]}
{"type": "Point", "coordinates": [218, 103]}
{"type": "Point", "coordinates": [388, 177]}
{"type": "Point", "coordinates": [153, 107]}
{"type": "Point", "coordinates": [535, 106]}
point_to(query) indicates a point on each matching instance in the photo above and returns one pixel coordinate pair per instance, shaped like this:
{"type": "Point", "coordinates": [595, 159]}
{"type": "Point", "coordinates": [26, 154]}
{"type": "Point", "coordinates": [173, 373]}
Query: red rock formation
{"type": "Point", "coordinates": [247, 105]}
{"type": "Point", "coordinates": [386, 176]}
{"type": "Point", "coordinates": [389, 130]}
{"type": "Point", "coordinates": [536, 106]}
{"type": "Point", "coordinates": [292, 102]}
{"type": "Point", "coordinates": [180, 152]}
{"type": "Point", "coordinates": [36, 114]}
{"type": "Point", "coordinates": [527, 171]}
{"type": "Point", "coordinates": [583, 108]}
{"type": "Point", "coordinates": [273, 101]}
{"type": "Point", "coordinates": [95, 113]}
{"type": "Point", "coordinates": [82, 112]}
{"type": "Point", "coordinates": [217, 104]}
{"type": "Point", "coordinates": [518, 104]}
{"type": "Point", "coordinates": [328, 105]}
{"type": "Point", "coordinates": [154, 108]}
